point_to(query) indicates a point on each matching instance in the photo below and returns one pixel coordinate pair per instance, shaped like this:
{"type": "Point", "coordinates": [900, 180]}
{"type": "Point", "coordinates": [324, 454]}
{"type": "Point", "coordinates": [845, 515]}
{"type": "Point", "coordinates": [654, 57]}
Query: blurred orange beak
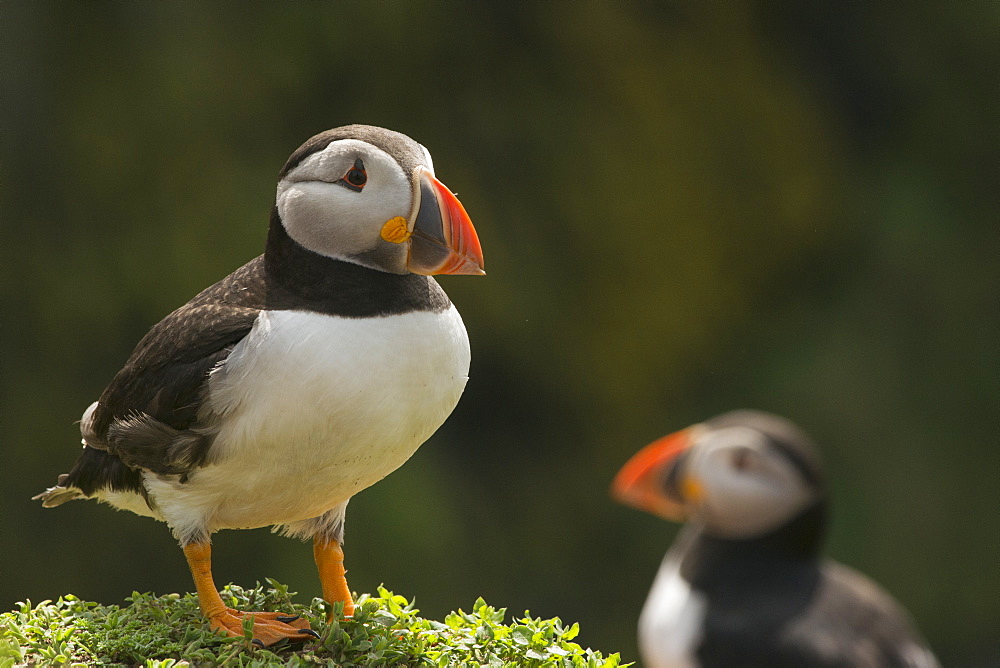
{"type": "Point", "coordinates": [443, 240]}
{"type": "Point", "coordinates": [643, 482]}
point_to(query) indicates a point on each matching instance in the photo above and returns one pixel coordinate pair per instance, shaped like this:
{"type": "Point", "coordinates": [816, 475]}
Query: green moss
{"type": "Point", "coordinates": [166, 631]}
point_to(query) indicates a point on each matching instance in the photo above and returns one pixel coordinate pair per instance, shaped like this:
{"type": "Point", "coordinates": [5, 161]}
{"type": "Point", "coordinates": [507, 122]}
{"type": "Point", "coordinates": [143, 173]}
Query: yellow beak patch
{"type": "Point", "coordinates": [691, 490]}
{"type": "Point", "coordinates": [394, 230]}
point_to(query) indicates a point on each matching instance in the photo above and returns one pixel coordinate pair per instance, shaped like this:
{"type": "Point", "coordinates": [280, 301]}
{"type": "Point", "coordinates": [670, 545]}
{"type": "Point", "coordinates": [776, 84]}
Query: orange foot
{"type": "Point", "coordinates": [268, 627]}
{"type": "Point", "coordinates": [330, 562]}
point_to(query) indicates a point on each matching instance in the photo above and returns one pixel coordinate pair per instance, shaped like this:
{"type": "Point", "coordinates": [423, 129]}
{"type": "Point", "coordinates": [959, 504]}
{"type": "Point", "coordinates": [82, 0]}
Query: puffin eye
{"type": "Point", "coordinates": [356, 177]}
{"type": "Point", "coordinates": [741, 459]}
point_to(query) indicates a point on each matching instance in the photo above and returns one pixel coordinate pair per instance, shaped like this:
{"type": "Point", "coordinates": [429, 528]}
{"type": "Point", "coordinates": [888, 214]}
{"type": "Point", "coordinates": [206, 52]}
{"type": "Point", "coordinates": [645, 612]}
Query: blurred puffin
{"type": "Point", "coordinates": [744, 584]}
{"type": "Point", "coordinates": [308, 374]}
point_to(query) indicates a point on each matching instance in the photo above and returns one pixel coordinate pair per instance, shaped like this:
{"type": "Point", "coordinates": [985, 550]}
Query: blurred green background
{"type": "Point", "coordinates": [685, 208]}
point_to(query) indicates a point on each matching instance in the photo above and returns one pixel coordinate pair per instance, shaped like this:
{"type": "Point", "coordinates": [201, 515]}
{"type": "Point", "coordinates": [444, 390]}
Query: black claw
{"type": "Point", "coordinates": [287, 619]}
{"type": "Point", "coordinates": [257, 642]}
{"type": "Point", "coordinates": [309, 632]}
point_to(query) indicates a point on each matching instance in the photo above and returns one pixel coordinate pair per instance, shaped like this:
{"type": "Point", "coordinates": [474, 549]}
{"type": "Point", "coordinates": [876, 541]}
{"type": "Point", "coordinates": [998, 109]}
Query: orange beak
{"type": "Point", "coordinates": [443, 239]}
{"type": "Point", "coordinates": [643, 482]}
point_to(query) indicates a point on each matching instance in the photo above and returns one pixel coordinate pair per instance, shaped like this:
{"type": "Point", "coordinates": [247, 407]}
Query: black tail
{"type": "Point", "coordinates": [95, 470]}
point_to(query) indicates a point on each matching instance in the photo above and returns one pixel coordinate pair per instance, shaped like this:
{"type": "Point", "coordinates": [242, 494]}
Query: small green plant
{"type": "Point", "coordinates": [168, 632]}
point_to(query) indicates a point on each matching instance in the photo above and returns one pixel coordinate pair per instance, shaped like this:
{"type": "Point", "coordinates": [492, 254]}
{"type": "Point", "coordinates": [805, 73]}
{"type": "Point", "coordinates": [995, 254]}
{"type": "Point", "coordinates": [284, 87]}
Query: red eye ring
{"type": "Point", "coordinates": [356, 177]}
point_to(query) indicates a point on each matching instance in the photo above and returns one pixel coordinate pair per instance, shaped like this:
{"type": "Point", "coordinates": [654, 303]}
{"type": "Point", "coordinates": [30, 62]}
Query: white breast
{"type": "Point", "coordinates": [311, 409]}
{"type": "Point", "coordinates": [671, 620]}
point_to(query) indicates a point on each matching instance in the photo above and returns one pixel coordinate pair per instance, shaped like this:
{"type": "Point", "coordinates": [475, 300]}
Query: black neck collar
{"type": "Point", "coordinates": [708, 561]}
{"type": "Point", "coordinates": [309, 281]}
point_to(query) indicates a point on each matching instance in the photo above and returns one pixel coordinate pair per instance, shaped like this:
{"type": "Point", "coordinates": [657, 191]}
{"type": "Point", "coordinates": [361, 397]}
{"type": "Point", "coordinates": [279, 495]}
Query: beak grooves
{"type": "Point", "coordinates": [443, 239]}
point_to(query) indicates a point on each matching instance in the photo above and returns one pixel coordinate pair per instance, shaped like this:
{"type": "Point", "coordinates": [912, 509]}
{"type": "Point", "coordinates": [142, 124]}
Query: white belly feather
{"type": "Point", "coordinates": [670, 624]}
{"type": "Point", "coordinates": [312, 409]}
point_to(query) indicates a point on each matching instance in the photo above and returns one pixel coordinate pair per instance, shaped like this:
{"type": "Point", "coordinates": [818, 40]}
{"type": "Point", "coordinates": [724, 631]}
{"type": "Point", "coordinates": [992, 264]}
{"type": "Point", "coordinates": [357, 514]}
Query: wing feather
{"type": "Point", "coordinates": [150, 417]}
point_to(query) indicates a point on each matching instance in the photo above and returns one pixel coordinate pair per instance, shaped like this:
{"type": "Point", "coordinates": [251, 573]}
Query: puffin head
{"type": "Point", "coordinates": [740, 475]}
{"type": "Point", "coordinates": [368, 196]}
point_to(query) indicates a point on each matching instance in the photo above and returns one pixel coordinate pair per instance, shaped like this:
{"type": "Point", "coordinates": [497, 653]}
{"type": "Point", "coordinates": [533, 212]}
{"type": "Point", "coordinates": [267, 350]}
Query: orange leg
{"type": "Point", "coordinates": [268, 627]}
{"type": "Point", "coordinates": [330, 564]}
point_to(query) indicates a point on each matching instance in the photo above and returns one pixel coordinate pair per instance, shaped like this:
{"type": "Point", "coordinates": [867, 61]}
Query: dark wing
{"type": "Point", "coordinates": [853, 621]}
{"type": "Point", "coordinates": [147, 417]}
{"type": "Point", "coordinates": [809, 615]}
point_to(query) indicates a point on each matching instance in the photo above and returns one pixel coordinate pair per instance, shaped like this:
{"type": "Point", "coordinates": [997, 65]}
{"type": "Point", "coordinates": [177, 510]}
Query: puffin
{"type": "Point", "coordinates": [745, 584]}
{"type": "Point", "coordinates": [308, 374]}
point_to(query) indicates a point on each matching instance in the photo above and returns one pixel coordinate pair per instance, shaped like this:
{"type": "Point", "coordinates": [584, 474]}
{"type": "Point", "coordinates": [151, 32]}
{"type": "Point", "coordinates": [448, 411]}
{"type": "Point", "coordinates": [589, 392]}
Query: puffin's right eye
{"type": "Point", "coordinates": [741, 459]}
{"type": "Point", "coordinates": [356, 177]}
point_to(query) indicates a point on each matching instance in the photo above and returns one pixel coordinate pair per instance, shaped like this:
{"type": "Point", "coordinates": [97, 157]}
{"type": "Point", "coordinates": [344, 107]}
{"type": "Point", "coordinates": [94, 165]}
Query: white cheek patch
{"type": "Point", "coordinates": [750, 502]}
{"type": "Point", "coordinates": [325, 218]}
{"type": "Point", "coordinates": [744, 508]}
